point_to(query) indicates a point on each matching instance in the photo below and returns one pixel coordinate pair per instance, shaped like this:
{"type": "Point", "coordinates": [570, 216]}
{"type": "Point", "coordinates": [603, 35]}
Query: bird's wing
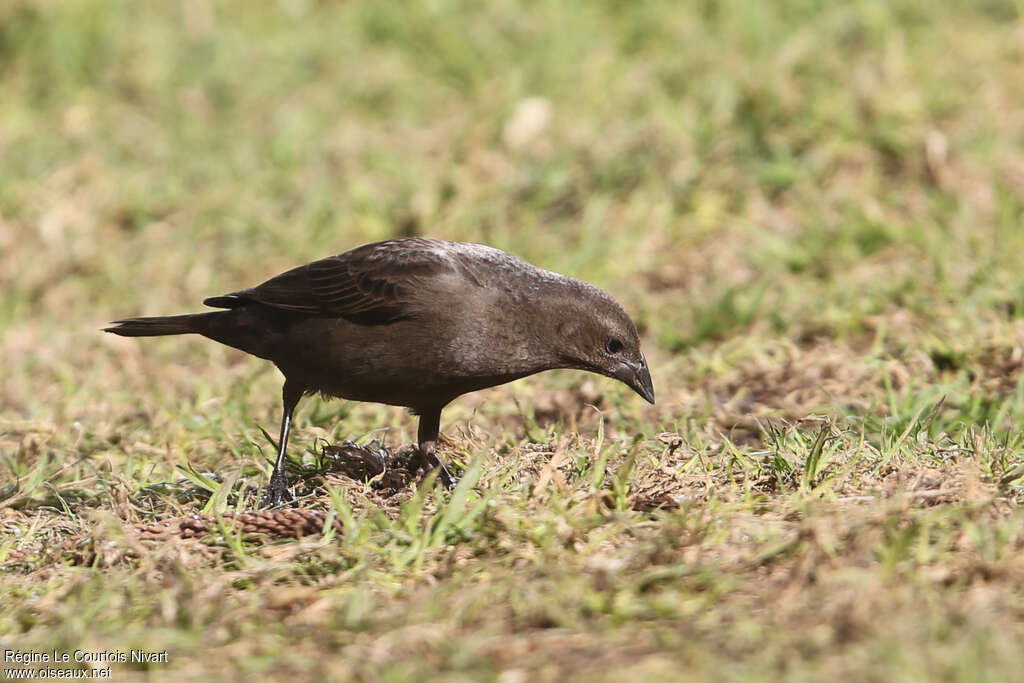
{"type": "Point", "coordinates": [372, 285]}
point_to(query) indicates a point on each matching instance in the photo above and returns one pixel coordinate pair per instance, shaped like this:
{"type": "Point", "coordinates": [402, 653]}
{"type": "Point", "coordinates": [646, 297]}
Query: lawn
{"type": "Point", "coordinates": [813, 211]}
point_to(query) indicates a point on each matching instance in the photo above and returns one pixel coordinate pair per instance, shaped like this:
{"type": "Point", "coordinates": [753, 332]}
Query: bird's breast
{"type": "Point", "coordinates": [413, 363]}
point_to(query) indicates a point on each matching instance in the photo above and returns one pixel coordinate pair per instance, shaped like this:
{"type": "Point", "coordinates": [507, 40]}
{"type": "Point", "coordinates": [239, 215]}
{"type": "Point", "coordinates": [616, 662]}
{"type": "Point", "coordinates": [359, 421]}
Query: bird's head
{"type": "Point", "coordinates": [598, 335]}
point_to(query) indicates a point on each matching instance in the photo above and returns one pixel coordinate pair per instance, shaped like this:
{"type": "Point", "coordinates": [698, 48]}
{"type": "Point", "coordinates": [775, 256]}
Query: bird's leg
{"type": "Point", "coordinates": [277, 491]}
{"type": "Point", "coordinates": [430, 424]}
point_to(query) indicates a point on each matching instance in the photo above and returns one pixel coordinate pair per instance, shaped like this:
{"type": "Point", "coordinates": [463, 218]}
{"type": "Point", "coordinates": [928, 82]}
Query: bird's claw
{"type": "Point", "coordinates": [432, 462]}
{"type": "Point", "coordinates": [447, 480]}
{"type": "Point", "coordinates": [277, 493]}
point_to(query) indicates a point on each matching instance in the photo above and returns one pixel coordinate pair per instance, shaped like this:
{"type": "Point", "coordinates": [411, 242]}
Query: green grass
{"type": "Point", "coordinates": [813, 211]}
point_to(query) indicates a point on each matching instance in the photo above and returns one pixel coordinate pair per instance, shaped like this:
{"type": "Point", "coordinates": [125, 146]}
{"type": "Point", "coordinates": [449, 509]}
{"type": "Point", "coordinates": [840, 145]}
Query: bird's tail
{"type": "Point", "coordinates": [159, 326]}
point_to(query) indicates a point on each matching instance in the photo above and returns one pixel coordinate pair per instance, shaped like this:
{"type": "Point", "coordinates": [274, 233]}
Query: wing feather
{"type": "Point", "coordinates": [372, 285]}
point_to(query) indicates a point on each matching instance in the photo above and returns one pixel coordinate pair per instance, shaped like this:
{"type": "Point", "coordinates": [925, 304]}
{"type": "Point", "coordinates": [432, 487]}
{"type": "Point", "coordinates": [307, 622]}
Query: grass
{"type": "Point", "coordinates": [813, 211]}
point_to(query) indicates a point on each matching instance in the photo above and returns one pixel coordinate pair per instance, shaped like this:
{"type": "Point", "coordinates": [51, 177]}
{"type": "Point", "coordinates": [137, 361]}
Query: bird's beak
{"type": "Point", "coordinates": [637, 377]}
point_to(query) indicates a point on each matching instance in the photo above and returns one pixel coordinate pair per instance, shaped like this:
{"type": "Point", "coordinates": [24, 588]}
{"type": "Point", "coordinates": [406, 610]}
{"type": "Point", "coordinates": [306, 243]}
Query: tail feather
{"type": "Point", "coordinates": [249, 330]}
{"type": "Point", "coordinates": [155, 327]}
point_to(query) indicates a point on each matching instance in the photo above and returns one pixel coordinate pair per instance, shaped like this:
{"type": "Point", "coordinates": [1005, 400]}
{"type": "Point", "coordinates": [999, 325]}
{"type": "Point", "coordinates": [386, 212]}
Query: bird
{"type": "Point", "coordinates": [413, 322]}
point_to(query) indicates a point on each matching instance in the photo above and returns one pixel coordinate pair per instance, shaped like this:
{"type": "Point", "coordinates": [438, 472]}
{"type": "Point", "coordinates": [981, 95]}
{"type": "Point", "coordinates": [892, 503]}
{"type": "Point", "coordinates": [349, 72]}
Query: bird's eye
{"type": "Point", "coordinates": [613, 345]}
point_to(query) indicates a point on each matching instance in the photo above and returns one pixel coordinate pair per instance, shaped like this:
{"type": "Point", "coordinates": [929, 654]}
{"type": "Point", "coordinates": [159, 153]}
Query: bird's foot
{"type": "Point", "coordinates": [277, 493]}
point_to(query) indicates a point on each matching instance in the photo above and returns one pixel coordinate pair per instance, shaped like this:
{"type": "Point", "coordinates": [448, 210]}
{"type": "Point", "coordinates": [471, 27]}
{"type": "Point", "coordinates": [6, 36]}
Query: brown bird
{"type": "Point", "coordinates": [414, 323]}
